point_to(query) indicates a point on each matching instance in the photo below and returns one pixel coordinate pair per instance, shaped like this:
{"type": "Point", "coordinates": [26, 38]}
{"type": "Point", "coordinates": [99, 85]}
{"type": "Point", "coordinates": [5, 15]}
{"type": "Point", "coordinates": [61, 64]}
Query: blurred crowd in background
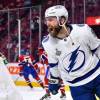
{"type": "Point", "coordinates": [33, 28]}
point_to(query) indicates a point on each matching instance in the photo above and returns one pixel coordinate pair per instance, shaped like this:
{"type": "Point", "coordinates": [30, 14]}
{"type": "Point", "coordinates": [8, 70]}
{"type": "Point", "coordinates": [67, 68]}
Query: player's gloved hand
{"type": "Point", "coordinates": [21, 73]}
{"type": "Point", "coordinates": [54, 86]}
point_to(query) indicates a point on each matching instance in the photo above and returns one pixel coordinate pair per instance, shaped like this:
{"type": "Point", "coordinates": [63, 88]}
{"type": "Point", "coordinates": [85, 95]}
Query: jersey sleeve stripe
{"type": "Point", "coordinates": [53, 64]}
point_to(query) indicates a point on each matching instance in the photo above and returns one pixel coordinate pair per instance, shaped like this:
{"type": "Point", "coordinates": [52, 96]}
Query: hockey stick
{"type": "Point", "coordinates": [16, 79]}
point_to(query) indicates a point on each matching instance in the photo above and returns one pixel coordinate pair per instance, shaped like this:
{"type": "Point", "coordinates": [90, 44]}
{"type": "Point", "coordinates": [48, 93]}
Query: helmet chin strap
{"type": "Point", "coordinates": [64, 26]}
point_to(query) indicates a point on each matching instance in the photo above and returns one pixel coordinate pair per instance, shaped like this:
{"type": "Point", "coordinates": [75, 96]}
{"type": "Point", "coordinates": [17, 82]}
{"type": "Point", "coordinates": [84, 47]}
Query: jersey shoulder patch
{"type": "Point", "coordinates": [45, 39]}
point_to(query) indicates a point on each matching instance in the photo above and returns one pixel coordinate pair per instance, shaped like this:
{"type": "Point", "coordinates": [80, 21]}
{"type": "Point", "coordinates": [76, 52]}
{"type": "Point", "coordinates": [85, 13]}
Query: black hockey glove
{"type": "Point", "coordinates": [54, 86]}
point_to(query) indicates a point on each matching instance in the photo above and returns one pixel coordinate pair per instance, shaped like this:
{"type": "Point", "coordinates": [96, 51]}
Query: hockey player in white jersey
{"type": "Point", "coordinates": [8, 90]}
{"type": "Point", "coordinates": [74, 55]}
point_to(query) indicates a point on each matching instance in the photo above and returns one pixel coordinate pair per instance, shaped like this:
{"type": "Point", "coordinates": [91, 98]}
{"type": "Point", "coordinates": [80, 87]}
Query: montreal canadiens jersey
{"type": "Point", "coordinates": [74, 56]}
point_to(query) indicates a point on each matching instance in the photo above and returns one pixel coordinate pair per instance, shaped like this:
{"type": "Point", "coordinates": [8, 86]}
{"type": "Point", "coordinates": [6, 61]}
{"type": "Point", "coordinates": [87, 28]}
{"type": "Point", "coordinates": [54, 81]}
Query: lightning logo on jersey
{"type": "Point", "coordinates": [76, 54]}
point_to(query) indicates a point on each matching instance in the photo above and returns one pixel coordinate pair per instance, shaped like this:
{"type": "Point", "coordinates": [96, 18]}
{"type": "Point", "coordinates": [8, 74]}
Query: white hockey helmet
{"type": "Point", "coordinates": [57, 11]}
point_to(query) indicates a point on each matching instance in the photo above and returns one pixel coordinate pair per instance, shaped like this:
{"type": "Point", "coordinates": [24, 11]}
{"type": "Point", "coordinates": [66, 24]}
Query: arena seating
{"type": "Point", "coordinates": [92, 9]}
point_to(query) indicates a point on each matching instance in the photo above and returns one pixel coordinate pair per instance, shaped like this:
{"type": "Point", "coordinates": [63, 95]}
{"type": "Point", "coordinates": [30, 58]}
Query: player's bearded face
{"type": "Point", "coordinates": [53, 26]}
{"type": "Point", "coordinates": [54, 30]}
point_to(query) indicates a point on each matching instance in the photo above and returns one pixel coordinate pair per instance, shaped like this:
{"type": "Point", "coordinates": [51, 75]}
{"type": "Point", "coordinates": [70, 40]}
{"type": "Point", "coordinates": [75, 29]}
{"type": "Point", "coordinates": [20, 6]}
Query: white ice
{"type": "Point", "coordinates": [37, 93]}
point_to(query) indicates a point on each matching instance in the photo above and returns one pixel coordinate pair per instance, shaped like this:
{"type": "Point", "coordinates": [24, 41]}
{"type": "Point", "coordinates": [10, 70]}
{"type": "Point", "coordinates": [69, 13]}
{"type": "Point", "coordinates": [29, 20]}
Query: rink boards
{"type": "Point", "coordinates": [14, 70]}
{"type": "Point", "coordinates": [19, 81]}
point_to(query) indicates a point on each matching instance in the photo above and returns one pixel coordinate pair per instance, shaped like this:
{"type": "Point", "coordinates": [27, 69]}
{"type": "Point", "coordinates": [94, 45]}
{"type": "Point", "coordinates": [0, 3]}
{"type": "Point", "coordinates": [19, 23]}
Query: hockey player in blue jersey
{"type": "Point", "coordinates": [73, 54]}
{"type": "Point", "coordinates": [27, 68]}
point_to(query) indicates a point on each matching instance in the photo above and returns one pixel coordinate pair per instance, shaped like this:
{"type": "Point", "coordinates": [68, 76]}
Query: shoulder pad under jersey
{"type": "Point", "coordinates": [80, 25]}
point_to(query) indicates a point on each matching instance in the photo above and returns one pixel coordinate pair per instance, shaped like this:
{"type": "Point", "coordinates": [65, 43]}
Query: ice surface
{"type": "Point", "coordinates": [37, 93]}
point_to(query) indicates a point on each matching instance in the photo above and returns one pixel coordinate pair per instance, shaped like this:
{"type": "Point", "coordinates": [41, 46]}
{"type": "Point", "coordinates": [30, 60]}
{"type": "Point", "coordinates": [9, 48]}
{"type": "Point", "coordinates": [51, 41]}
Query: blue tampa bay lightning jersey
{"type": "Point", "coordinates": [77, 63]}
